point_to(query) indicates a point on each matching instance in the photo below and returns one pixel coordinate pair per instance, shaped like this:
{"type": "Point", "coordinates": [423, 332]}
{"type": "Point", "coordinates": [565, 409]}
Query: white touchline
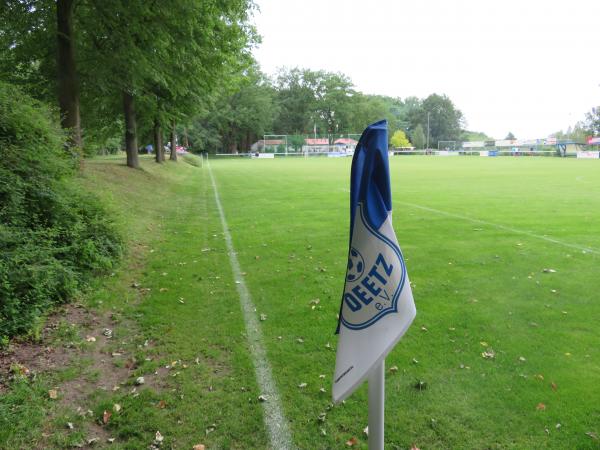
{"type": "Point", "coordinates": [503, 227]}
{"type": "Point", "coordinates": [279, 432]}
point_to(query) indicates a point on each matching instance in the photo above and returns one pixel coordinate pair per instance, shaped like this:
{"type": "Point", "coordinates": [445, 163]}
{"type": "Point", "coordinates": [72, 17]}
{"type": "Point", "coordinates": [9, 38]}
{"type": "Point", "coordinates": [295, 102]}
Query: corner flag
{"type": "Point", "coordinates": [377, 304]}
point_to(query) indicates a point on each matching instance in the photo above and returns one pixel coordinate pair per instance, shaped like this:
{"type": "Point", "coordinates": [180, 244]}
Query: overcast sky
{"type": "Point", "coordinates": [527, 66]}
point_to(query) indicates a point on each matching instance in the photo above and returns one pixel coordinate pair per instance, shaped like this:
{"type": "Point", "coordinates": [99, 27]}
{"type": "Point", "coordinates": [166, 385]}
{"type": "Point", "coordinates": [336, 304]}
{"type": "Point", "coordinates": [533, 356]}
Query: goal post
{"type": "Point", "coordinates": [274, 143]}
{"type": "Point", "coordinates": [447, 145]}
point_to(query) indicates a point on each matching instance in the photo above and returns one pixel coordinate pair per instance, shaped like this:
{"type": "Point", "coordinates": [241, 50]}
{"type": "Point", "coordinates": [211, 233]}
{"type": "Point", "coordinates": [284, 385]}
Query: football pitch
{"type": "Point", "coordinates": [504, 260]}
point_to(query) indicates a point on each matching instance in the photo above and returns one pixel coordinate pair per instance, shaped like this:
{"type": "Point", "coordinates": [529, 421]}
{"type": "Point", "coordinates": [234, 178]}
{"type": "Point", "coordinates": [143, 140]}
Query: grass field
{"type": "Point", "coordinates": [477, 234]}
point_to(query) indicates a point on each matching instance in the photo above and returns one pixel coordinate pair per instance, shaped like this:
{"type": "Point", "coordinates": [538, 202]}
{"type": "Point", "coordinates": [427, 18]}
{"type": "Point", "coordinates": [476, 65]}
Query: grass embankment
{"type": "Point", "coordinates": [480, 288]}
{"type": "Point", "coordinates": [172, 303]}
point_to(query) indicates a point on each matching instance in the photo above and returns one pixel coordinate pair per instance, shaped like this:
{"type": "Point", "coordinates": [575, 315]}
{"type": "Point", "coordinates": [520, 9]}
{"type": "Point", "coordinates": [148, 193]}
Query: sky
{"type": "Point", "coordinates": [529, 67]}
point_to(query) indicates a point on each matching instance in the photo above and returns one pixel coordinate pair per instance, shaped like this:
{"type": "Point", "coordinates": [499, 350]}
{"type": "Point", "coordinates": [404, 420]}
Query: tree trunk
{"type": "Point", "coordinates": [186, 141]}
{"type": "Point", "coordinates": [173, 156]}
{"type": "Point", "coordinates": [130, 131]}
{"type": "Point", "coordinates": [68, 89]}
{"type": "Point", "coordinates": [158, 142]}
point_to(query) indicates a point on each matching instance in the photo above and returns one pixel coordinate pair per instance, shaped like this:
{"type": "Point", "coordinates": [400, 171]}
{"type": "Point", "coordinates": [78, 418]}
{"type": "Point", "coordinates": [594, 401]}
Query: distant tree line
{"type": "Point", "coordinates": [302, 102]}
{"type": "Point", "coordinates": [588, 126]}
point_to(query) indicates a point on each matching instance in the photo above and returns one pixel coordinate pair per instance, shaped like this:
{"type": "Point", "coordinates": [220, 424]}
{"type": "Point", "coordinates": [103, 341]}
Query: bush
{"type": "Point", "coordinates": [53, 239]}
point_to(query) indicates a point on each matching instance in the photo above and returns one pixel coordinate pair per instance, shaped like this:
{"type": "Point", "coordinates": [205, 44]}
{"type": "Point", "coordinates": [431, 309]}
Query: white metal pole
{"type": "Point", "coordinates": [376, 406]}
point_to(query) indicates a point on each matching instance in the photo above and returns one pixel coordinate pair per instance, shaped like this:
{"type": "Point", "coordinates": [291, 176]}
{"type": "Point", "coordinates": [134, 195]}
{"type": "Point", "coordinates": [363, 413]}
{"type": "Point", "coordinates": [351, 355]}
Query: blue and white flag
{"type": "Point", "coordinates": [377, 304]}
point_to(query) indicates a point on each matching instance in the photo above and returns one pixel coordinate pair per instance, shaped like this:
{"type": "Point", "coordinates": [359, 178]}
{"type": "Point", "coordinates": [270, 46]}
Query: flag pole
{"type": "Point", "coordinates": [376, 406]}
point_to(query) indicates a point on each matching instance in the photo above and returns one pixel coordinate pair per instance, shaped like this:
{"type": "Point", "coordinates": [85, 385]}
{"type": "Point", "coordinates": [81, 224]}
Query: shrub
{"type": "Point", "coordinates": [52, 237]}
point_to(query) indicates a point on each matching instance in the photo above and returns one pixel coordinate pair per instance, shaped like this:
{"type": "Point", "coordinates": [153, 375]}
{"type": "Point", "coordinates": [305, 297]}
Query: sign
{"type": "Point", "coordinates": [588, 155]}
{"type": "Point", "coordinates": [593, 140]}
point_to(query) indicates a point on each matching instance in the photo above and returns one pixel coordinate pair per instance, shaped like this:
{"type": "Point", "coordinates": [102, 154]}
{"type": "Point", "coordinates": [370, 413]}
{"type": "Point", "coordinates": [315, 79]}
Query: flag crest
{"type": "Point", "coordinates": [377, 305]}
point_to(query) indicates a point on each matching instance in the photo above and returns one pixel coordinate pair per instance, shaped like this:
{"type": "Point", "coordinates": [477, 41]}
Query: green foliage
{"type": "Point", "coordinates": [399, 140]}
{"type": "Point", "coordinates": [445, 121]}
{"type": "Point", "coordinates": [510, 136]}
{"type": "Point", "coordinates": [418, 137]}
{"type": "Point", "coordinates": [52, 237]}
{"type": "Point", "coordinates": [474, 136]}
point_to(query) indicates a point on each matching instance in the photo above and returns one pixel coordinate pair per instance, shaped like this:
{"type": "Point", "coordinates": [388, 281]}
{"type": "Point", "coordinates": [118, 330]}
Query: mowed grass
{"type": "Point", "coordinates": [477, 234]}
{"type": "Point", "coordinates": [171, 303]}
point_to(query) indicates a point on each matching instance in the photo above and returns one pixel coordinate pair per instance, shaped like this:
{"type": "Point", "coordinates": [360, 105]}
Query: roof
{"type": "Point", "coordinates": [345, 141]}
{"type": "Point", "coordinates": [319, 141]}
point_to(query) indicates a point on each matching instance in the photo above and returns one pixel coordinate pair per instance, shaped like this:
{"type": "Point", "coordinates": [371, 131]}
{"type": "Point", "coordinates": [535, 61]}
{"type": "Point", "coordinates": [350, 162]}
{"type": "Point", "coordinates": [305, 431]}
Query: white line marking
{"type": "Point", "coordinates": [275, 421]}
{"type": "Point", "coordinates": [504, 227]}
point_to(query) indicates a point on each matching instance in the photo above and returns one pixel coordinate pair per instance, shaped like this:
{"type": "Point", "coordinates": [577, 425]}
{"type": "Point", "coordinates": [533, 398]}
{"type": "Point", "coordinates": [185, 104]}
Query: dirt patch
{"type": "Point", "coordinates": [43, 355]}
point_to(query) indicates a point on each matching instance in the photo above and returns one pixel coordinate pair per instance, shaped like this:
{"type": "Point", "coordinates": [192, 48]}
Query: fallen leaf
{"type": "Point", "coordinates": [106, 416]}
{"type": "Point", "coordinates": [210, 429]}
{"type": "Point", "coordinates": [302, 385]}
{"type": "Point", "coordinates": [139, 381]}
{"type": "Point", "coordinates": [90, 339]}
{"type": "Point", "coordinates": [540, 407]}
{"type": "Point", "coordinates": [489, 354]}
{"type": "Point", "coordinates": [162, 404]}
{"type": "Point", "coordinates": [70, 425]}
{"type": "Point", "coordinates": [199, 447]}
{"type": "Point", "coordinates": [366, 431]}
{"type": "Point", "coordinates": [351, 442]}
{"type": "Point", "coordinates": [593, 435]}
{"type": "Point", "coordinates": [158, 437]}
{"type": "Point", "coordinates": [53, 394]}
{"type": "Point", "coordinates": [522, 359]}
{"type": "Point", "coordinates": [262, 398]}
{"type": "Point", "coordinates": [117, 407]}
{"type": "Point", "coordinates": [553, 386]}
{"type": "Point", "coordinates": [414, 447]}
{"type": "Point", "coordinates": [393, 369]}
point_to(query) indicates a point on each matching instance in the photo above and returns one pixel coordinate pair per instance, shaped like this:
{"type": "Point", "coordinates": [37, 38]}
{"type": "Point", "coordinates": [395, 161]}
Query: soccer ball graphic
{"type": "Point", "coordinates": [356, 265]}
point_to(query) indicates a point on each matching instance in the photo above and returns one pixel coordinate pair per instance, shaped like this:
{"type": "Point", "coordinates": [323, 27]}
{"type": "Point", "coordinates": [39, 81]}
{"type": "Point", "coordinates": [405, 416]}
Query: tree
{"type": "Point", "coordinates": [68, 87]}
{"type": "Point", "coordinates": [418, 137]}
{"type": "Point", "coordinates": [399, 140]}
{"type": "Point", "coordinates": [592, 121]}
{"type": "Point", "coordinates": [166, 57]}
{"type": "Point", "coordinates": [445, 121]}
{"type": "Point", "coordinates": [510, 136]}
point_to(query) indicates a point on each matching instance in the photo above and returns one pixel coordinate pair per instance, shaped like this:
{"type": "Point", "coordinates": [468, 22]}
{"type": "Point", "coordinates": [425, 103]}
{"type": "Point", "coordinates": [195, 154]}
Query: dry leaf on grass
{"type": "Point", "coordinates": [540, 407]}
{"type": "Point", "coordinates": [199, 447]}
{"type": "Point", "coordinates": [106, 417]}
{"type": "Point", "coordinates": [352, 442]}
{"type": "Point", "coordinates": [53, 394]}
